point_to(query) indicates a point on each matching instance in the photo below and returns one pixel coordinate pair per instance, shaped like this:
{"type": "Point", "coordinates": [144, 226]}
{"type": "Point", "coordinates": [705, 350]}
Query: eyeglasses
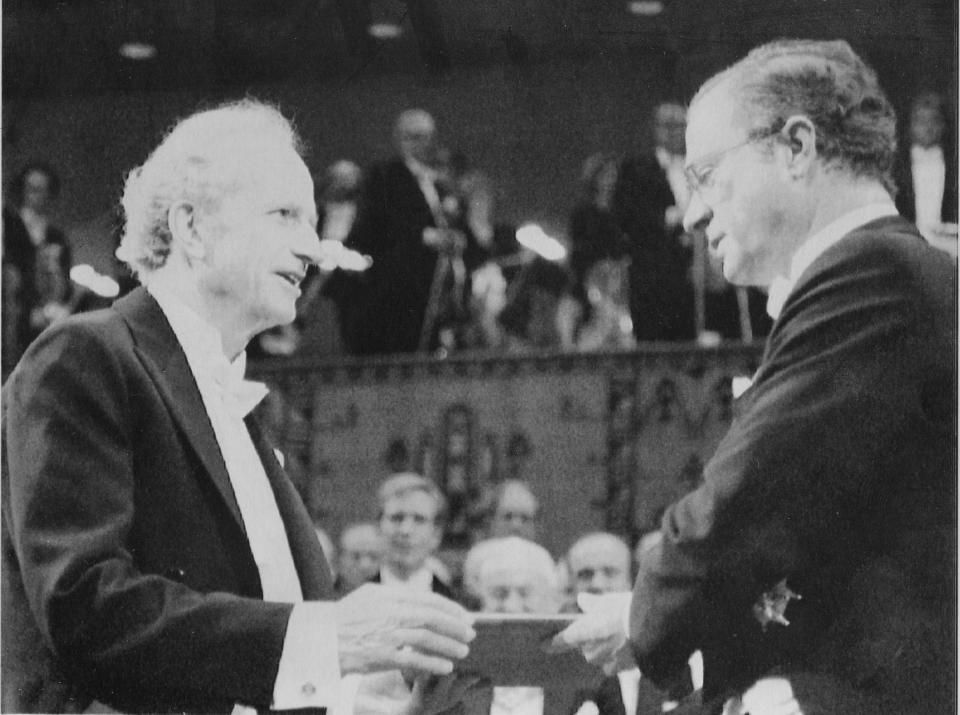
{"type": "Point", "coordinates": [700, 174]}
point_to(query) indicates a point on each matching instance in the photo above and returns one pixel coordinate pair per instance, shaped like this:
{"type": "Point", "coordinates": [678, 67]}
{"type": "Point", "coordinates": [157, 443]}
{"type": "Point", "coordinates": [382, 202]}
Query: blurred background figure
{"type": "Point", "coordinates": [649, 199]}
{"type": "Point", "coordinates": [413, 297]}
{"type": "Point", "coordinates": [412, 513]}
{"type": "Point", "coordinates": [359, 556]}
{"type": "Point", "coordinates": [36, 261]}
{"type": "Point", "coordinates": [540, 311]}
{"type": "Point", "coordinates": [597, 238]}
{"type": "Point", "coordinates": [514, 512]}
{"type": "Point", "coordinates": [927, 172]}
{"type": "Point", "coordinates": [515, 575]}
{"type": "Point", "coordinates": [600, 563]}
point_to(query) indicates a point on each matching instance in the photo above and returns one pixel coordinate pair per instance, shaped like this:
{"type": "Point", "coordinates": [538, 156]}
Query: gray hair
{"type": "Point", "coordinates": [194, 163]}
{"type": "Point", "coordinates": [827, 82]}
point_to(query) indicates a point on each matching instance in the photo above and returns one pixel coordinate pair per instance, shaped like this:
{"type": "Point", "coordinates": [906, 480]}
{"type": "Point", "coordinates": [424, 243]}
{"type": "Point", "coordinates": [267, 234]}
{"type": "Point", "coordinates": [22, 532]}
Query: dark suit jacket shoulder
{"type": "Point", "coordinates": [122, 537]}
{"type": "Point", "coordinates": [838, 476]}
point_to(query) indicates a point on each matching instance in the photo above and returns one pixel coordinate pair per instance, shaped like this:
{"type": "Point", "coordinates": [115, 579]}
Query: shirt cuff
{"type": "Point", "coordinates": [309, 672]}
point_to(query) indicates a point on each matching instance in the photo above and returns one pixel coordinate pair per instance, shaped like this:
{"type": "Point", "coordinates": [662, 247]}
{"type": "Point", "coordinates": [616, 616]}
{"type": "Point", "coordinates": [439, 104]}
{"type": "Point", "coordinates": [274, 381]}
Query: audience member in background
{"type": "Point", "coordinates": [359, 556]}
{"type": "Point", "coordinates": [515, 575]}
{"type": "Point", "coordinates": [316, 331]}
{"type": "Point", "coordinates": [600, 563]}
{"type": "Point", "coordinates": [927, 169]}
{"type": "Point", "coordinates": [412, 511]}
{"type": "Point", "coordinates": [540, 311]}
{"type": "Point", "coordinates": [515, 511]}
{"type": "Point", "coordinates": [422, 251]}
{"type": "Point", "coordinates": [36, 259]}
{"type": "Point", "coordinates": [649, 200]}
{"type": "Point", "coordinates": [595, 234]}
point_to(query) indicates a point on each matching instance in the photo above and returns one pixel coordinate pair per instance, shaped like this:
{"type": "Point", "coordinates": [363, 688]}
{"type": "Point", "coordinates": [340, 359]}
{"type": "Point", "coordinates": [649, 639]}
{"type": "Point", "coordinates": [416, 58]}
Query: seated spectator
{"type": "Point", "coordinates": [412, 512]}
{"type": "Point", "coordinates": [36, 260]}
{"type": "Point", "coordinates": [361, 550]}
{"type": "Point", "coordinates": [599, 564]}
{"type": "Point", "coordinates": [540, 311]}
{"type": "Point", "coordinates": [515, 575]}
{"type": "Point", "coordinates": [595, 234]}
{"type": "Point", "coordinates": [515, 511]}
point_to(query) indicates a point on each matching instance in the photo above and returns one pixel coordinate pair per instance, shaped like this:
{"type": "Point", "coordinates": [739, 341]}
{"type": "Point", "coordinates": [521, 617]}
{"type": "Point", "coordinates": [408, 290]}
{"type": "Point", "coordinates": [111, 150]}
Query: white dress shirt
{"type": "Point", "coordinates": [929, 174]}
{"type": "Point", "coordinates": [816, 245]}
{"type": "Point", "coordinates": [420, 580]}
{"type": "Point", "coordinates": [309, 668]}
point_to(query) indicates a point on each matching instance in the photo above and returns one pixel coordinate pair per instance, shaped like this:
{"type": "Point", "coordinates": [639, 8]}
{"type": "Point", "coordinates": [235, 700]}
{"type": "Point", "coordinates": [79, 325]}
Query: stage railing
{"type": "Point", "coordinates": [605, 439]}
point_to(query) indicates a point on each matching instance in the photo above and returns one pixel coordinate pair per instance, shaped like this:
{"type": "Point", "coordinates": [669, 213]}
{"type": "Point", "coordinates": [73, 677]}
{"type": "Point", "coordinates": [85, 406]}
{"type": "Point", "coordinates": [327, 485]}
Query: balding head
{"type": "Point", "coordinates": [413, 135]}
{"type": "Point", "coordinates": [599, 563]}
{"type": "Point", "coordinates": [514, 575]}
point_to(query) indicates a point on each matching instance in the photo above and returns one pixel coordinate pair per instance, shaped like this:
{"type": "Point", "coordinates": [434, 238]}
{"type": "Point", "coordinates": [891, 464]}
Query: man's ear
{"type": "Point", "coordinates": [182, 222]}
{"type": "Point", "coordinates": [801, 140]}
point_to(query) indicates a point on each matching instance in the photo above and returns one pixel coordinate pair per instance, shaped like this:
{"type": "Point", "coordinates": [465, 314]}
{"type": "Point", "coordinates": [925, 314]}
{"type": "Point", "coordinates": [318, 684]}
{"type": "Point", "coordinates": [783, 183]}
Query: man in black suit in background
{"type": "Point", "coordinates": [156, 558]}
{"type": "Point", "coordinates": [927, 167]}
{"type": "Point", "coordinates": [414, 230]}
{"type": "Point", "coordinates": [815, 567]}
{"type": "Point", "coordinates": [648, 203]}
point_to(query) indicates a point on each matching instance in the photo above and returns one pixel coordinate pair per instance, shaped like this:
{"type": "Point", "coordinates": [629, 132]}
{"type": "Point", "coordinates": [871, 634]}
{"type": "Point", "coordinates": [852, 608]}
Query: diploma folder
{"type": "Point", "coordinates": [511, 650]}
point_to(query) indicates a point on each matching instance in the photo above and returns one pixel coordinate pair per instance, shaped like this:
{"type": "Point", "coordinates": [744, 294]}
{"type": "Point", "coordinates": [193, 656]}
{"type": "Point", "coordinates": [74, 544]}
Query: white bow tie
{"type": "Point", "coordinates": [239, 396]}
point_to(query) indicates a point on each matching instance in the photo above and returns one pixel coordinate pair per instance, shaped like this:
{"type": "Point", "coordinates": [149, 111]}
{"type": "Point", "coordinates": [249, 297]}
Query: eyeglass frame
{"type": "Point", "coordinates": [697, 174]}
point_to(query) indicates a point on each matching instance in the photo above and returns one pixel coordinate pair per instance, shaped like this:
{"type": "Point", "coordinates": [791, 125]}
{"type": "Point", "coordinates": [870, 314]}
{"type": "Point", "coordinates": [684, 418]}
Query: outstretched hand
{"type": "Point", "coordinates": [384, 628]}
{"type": "Point", "coordinates": [600, 633]}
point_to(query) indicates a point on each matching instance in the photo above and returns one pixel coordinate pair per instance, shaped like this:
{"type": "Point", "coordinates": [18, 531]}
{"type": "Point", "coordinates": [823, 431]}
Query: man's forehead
{"type": "Point", "coordinates": [714, 123]}
{"type": "Point", "coordinates": [597, 552]}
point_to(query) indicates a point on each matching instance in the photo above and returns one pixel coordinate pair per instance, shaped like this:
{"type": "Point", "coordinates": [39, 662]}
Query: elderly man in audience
{"type": "Point", "coordinates": [513, 512]}
{"type": "Point", "coordinates": [815, 566]}
{"type": "Point", "coordinates": [156, 557]}
{"type": "Point", "coordinates": [359, 556]}
{"type": "Point", "coordinates": [599, 563]}
{"type": "Point", "coordinates": [412, 512]}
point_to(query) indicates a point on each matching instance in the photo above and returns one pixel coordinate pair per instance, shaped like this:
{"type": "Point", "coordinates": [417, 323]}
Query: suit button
{"type": "Point", "coordinates": [175, 574]}
{"type": "Point", "coordinates": [308, 689]}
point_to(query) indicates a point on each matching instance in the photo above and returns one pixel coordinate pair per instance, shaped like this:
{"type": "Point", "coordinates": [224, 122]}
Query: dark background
{"type": "Point", "coordinates": [534, 85]}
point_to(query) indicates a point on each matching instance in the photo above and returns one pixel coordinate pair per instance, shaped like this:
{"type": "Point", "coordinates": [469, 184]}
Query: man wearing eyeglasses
{"type": "Point", "coordinates": [815, 566]}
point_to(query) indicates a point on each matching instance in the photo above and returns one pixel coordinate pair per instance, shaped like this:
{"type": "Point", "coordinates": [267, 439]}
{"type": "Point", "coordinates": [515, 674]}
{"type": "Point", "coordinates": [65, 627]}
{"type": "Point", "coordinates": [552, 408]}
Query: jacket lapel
{"type": "Point", "coordinates": [164, 360]}
{"type": "Point", "coordinates": [315, 579]}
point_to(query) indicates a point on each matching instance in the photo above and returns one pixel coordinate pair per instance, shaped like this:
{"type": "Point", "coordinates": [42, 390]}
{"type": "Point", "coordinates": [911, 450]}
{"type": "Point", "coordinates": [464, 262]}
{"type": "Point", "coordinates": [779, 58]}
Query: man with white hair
{"type": "Point", "coordinates": [156, 558]}
{"type": "Point", "coordinates": [515, 575]}
{"type": "Point", "coordinates": [407, 221]}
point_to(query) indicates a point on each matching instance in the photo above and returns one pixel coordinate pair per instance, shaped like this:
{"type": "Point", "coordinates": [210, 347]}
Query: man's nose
{"type": "Point", "coordinates": [698, 214]}
{"type": "Point", "coordinates": [307, 246]}
{"type": "Point", "coordinates": [513, 604]}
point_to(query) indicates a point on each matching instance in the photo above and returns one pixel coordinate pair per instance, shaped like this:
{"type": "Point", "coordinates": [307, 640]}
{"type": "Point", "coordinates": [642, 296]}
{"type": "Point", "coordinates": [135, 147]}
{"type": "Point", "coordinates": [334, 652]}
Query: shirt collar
{"type": "Point", "coordinates": [817, 244]}
{"type": "Point", "coordinates": [926, 153]}
{"type": "Point", "coordinates": [201, 342]}
{"type": "Point", "coordinates": [666, 159]}
{"type": "Point", "coordinates": [420, 170]}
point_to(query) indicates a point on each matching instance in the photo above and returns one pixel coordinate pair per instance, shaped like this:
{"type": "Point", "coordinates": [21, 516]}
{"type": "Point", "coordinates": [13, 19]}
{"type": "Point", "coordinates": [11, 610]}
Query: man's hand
{"type": "Point", "coordinates": [382, 628]}
{"type": "Point", "coordinates": [600, 633]}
